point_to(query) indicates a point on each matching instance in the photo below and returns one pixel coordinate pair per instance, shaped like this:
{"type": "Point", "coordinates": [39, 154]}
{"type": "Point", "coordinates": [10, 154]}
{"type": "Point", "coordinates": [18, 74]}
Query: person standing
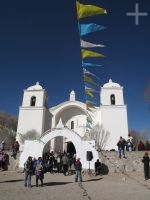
{"type": "Point", "coordinates": [39, 171]}
{"type": "Point", "coordinates": [121, 147]}
{"type": "Point", "coordinates": [1, 160]}
{"type": "Point", "coordinates": [2, 146]}
{"type": "Point", "coordinates": [98, 167]}
{"type": "Point", "coordinates": [15, 149]}
{"type": "Point", "coordinates": [65, 164]}
{"type": "Point", "coordinates": [28, 169]}
{"type": "Point", "coordinates": [78, 169]}
{"type": "Point", "coordinates": [146, 161]}
{"type": "Point", "coordinates": [59, 160]}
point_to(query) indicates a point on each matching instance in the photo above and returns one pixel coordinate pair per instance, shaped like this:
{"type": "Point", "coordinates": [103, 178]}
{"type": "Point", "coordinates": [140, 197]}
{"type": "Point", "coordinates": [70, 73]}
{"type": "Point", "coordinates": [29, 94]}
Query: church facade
{"type": "Point", "coordinates": [35, 116]}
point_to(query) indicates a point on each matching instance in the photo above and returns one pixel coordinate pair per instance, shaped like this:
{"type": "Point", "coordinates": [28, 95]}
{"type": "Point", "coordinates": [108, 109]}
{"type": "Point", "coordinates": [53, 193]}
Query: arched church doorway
{"type": "Point", "coordinates": [71, 148]}
{"type": "Point", "coordinates": [54, 145]}
{"type": "Point", "coordinates": [60, 144]}
{"type": "Point", "coordinates": [36, 148]}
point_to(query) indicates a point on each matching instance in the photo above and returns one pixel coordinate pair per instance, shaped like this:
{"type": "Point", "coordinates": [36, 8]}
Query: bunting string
{"type": "Point", "coordinates": [91, 80]}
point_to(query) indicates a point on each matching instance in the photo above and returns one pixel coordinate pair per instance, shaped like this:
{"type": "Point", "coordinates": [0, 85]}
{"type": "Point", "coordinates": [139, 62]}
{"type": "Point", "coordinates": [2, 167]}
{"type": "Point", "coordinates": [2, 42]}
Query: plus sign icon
{"type": "Point", "coordinates": [137, 14]}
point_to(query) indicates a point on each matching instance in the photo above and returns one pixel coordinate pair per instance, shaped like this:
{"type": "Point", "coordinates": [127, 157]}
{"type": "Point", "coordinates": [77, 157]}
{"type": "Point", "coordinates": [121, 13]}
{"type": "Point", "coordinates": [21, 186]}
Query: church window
{"type": "Point", "coordinates": [112, 99]}
{"type": "Point", "coordinates": [72, 124]}
{"type": "Point", "coordinates": [33, 101]}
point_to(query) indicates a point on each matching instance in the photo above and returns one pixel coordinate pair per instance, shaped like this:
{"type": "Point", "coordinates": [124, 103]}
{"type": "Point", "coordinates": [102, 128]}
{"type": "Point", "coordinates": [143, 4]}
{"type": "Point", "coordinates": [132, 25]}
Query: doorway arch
{"type": "Point", "coordinates": [73, 139]}
{"type": "Point", "coordinates": [35, 148]}
{"type": "Point", "coordinates": [71, 148]}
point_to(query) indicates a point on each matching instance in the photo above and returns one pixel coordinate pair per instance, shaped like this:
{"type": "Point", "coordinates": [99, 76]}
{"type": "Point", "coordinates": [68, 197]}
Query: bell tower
{"type": "Point", "coordinates": [33, 110]}
{"type": "Point", "coordinates": [113, 113]}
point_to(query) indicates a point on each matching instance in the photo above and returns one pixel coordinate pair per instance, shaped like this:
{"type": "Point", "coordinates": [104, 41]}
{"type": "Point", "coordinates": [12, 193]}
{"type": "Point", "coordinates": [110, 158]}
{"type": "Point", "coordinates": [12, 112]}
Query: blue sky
{"type": "Point", "coordinates": [39, 41]}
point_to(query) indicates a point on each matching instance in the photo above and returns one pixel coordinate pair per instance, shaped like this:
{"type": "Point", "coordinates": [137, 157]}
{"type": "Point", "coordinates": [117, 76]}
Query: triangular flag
{"type": "Point", "coordinates": [88, 10]}
{"type": "Point", "coordinates": [88, 125]}
{"type": "Point", "coordinates": [89, 105]}
{"type": "Point", "coordinates": [90, 110]}
{"type": "Point", "coordinates": [89, 28]}
{"type": "Point", "coordinates": [85, 44]}
{"type": "Point", "coordinates": [89, 118]}
{"type": "Point", "coordinates": [89, 80]}
{"type": "Point", "coordinates": [87, 53]}
{"type": "Point", "coordinates": [92, 102]}
{"type": "Point", "coordinates": [91, 87]}
{"type": "Point", "coordinates": [85, 71]}
{"type": "Point", "coordinates": [89, 94]}
{"type": "Point", "coordinates": [91, 90]}
{"type": "Point", "coordinates": [90, 65]}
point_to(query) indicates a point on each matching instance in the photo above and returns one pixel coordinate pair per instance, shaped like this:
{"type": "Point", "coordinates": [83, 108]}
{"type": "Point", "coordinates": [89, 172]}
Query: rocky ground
{"type": "Point", "coordinates": [57, 186]}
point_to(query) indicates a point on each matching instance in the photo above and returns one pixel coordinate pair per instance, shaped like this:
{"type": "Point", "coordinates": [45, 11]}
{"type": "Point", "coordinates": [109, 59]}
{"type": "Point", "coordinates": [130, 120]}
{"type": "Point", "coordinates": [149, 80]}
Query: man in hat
{"type": "Point", "coordinates": [146, 161]}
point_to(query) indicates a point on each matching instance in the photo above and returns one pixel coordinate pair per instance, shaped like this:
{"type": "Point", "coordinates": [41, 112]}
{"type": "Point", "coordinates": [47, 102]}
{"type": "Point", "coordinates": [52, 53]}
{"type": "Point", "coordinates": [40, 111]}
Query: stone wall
{"type": "Point", "coordinates": [110, 160]}
{"type": "Point", "coordinates": [113, 163]}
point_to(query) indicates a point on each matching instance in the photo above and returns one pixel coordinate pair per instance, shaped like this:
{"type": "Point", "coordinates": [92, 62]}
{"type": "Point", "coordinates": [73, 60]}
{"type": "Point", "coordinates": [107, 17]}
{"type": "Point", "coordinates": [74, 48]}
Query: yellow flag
{"type": "Point", "coordinates": [87, 53]}
{"type": "Point", "coordinates": [88, 10]}
{"type": "Point", "coordinates": [89, 94]}
{"type": "Point", "coordinates": [89, 105]}
{"type": "Point", "coordinates": [89, 80]}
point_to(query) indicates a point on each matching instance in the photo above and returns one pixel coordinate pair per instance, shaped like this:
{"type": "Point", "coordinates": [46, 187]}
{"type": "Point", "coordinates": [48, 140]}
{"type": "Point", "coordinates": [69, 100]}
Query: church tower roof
{"type": "Point", "coordinates": [37, 86]}
{"type": "Point", "coordinates": [111, 84]}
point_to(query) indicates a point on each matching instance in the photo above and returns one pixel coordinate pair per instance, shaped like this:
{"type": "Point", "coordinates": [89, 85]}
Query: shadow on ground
{"type": "Point", "coordinates": [94, 179]}
{"type": "Point", "coordinates": [11, 181]}
{"type": "Point", "coordinates": [105, 169]}
{"type": "Point", "coordinates": [56, 183]}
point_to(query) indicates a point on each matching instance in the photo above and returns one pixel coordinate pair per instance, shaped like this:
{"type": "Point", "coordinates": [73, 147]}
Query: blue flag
{"type": "Point", "coordinates": [89, 28]}
{"type": "Point", "coordinates": [90, 65]}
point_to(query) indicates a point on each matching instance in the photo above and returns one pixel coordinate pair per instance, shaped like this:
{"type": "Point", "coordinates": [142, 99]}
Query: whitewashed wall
{"type": "Point", "coordinates": [35, 148]}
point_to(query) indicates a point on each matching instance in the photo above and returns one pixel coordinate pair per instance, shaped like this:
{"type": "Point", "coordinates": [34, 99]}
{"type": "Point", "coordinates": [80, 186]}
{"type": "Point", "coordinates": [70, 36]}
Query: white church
{"type": "Point", "coordinates": [63, 127]}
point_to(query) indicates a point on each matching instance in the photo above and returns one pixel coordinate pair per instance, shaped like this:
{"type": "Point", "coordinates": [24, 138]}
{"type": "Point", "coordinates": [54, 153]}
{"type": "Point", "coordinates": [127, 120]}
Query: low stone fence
{"type": "Point", "coordinates": [110, 160]}
{"type": "Point", "coordinates": [132, 162]}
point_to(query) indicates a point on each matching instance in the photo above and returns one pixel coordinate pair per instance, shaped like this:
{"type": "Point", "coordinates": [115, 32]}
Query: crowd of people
{"type": "Point", "coordinates": [52, 163]}
{"type": "Point", "coordinates": [124, 145]}
{"type": "Point", "coordinates": [128, 145]}
{"type": "Point", "coordinates": [55, 163]}
{"type": "Point", "coordinates": [62, 162]}
{"type": "Point", "coordinates": [59, 162]}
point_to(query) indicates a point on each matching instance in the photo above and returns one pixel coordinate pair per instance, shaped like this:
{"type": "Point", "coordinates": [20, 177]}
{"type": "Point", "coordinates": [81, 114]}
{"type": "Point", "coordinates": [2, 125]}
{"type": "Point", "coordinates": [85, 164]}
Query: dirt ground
{"type": "Point", "coordinates": [57, 186]}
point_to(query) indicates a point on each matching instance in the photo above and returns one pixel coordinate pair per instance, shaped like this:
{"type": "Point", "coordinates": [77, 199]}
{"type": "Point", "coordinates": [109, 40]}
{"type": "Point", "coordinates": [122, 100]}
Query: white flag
{"type": "Point", "coordinates": [85, 44]}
